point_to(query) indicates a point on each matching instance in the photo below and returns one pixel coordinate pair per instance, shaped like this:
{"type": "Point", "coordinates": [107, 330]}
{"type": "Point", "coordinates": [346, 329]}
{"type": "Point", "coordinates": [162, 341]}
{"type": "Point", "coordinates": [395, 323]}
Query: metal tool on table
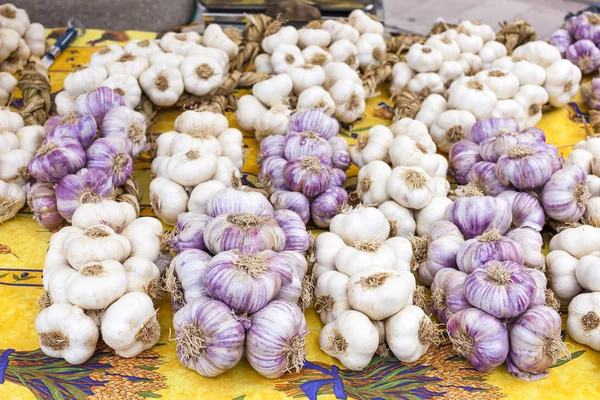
{"type": "Point", "coordinates": [75, 28]}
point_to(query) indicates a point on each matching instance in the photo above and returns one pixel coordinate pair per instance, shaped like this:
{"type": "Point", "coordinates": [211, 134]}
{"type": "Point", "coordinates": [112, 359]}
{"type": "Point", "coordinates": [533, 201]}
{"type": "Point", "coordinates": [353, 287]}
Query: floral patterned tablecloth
{"type": "Point", "coordinates": [25, 372]}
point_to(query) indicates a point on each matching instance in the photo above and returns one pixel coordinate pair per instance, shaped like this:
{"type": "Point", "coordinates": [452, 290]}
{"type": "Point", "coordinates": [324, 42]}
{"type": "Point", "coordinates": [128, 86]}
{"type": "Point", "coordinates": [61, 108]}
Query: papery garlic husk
{"type": "Point", "coordinates": [410, 333]}
{"type": "Point", "coordinates": [326, 205]}
{"type": "Point", "coordinates": [487, 247]}
{"type": "Point", "coordinates": [502, 289]}
{"type": "Point", "coordinates": [479, 337]}
{"type": "Point", "coordinates": [296, 236]}
{"type": "Point", "coordinates": [210, 340]}
{"type": "Point", "coordinates": [276, 340]}
{"type": "Point", "coordinates": [97, 285]}
{"type": "Point", "coordinates": [331, 299]}
{"type": "Point", "coordinates": [380, 293]}
{"type": "Point", "coordinates": [535, 343]}
{"type": "Point", "coordinates": [66, 332]}
{"type": "Point", "coordinates": [294, 201]}
{"type": "Point", "coordinates": [184, 278]}
{"type": "Point", "coordinates": [129, 326]}
{"type": "Point", "coordinates": [254, 278]}
{"type": "Point", "coordinates": [351, 338]}
{"type": "Point", "coordinates": [447, 294]}
{"type": "Point", "coordinates": [149, 241]}
{"type": "Point", "coordinates": [190, 231]}
{"type": "Point", "coordinates": [242, 200]}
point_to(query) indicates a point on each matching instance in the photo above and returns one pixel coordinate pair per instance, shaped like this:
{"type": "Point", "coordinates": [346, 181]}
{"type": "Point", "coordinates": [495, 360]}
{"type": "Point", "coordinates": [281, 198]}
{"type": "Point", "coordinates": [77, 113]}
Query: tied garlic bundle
{"type": "Point", "coordinates": [240, 258]}
{"type": "Point", "coordinates": [401, 173]}
{"type": "Point", "coordinates": [202, 156]}
{"type": "Point", "coordinates": [576, 41]}
{"type": "Point", "coordinates": [102, 275]}
{"type": "Point", "coordinates": [463, 75]}
{"type": "Point", "coordinates": [364, 292]}
{"type": "Point", "coordinates": [304, 170]}
{"type": "Point", "coordinates": [72, 167]}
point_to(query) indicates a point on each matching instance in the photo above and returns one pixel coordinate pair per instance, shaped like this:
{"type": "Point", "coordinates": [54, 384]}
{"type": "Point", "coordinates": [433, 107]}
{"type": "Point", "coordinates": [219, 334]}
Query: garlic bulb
{"type": "Point", "coordinates": [380, 293]}
{"type": "Point", "coordinates": [351, 338]}
{"type": "Point", "coordinates": [393, 254]}
{"type": "Point", "coordinates": [424, 58]}
{"type": "Point", "coordinates": [107, 212]}
{"type": "Point", "coordinates": [345, 52]}
{"type": "Point", "coordinates": [584, 319]}
{"type": "Point", "coordinates": [315, 97]}
{"type": "Point", "coordinates": [143, 48]}
{"type": "Point", "coordinates": [411, 187]}
{"type": "Point", "coordinates": [201, 74]}
{"type": "Point", "coordinates": [331, 299]}
{"type": "Point", "coordinates": [404, 151]}
{"type": "Point", "coordinates": [327, 246]}
{"type": "Point", "coordinates": [340, 30]}
{"type": "Point", "coordinates": [234, 231]}
{"type": "Point", "coordinates": [129, 326]}
{"type": "Point", "coordinates": [215, 36]}
{"type": "Point", "coordinates": [162, 84]}
{"type": "Point", "coordinates": [184, 277]}
{"type": "Point", "coordinates": [562, 269]}
{"type": "Point", "coordinates": [169, 59]}
{"type": "Point", "coordinates": [66, 332]}
{"type": "Point", "coordinates": [349, 98]}
{"type": "Point", "coordinates": [97, 285]}
{"type": "Point", "coordinates": [148, 241]}
{"type": "Point", "coordinates": [470, 94]}
{"type": "Point", "coordinates": [273, 90]}
{"type": "Point", "coordinates": [410, 333]}
{"type": "Point", "coordinates": [335, 71]}
{"type": "Point", "coordinates": [85, 80]}
{"type": "Point", "coordinates": [401, 220]}
{"type": "Point", "coordinates": [286, 56]}
{"type": "Point", "coordinates": [249, 111]}
{"type": "Point", "coordinates": [107, 55]}
{"type": "Point", "coordinates": [359, 224]}
{"type": "Point", "coordinates": [285, 35]}
{"type": "Point", "coordinates": [168, 199]}
{"type": "Point", "coordinates": [95, 244]}
{"type": "Point", "coordinates": [313, 35]}
{"type": "Point", "coordinates": [143, 276]}
{"type": "Point", "coordinates": [371, 49]}
{"type": "Point", "coordinates": [371, 186]}
{"type": "Point", "coordinates": [373, 145]}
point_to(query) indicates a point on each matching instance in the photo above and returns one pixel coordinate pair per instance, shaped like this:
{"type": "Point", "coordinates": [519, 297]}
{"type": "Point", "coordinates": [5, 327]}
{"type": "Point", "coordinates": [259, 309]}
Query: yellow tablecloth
{"type": "Point", "coordinates": [25, 372]}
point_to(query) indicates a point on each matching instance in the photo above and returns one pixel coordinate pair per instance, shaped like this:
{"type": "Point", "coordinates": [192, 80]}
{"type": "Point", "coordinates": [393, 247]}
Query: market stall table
{"type": "Point", "coordinates": [25, 372]}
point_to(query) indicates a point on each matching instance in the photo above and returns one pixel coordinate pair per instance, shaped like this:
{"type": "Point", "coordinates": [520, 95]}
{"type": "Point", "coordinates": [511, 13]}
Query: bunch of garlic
{"type": "Point", "coordinates": [103, 275]}
{"type": "Point", "coordinates": [18, 145]}
{"type": "Point", "coordinates": [401, 173]}
{"type": "Point", "coordinates": [19, 40]}
{"type": "Point", "coordinates": [200, 157]}
{"type": "Point", "coordinates": [163, 69]}
{"type": "Point", "coordinates": [464, 75]}
{"type": "Point", "coordinates": [317, 63]}
{"type": "Point", "coordinates": [364, 291]}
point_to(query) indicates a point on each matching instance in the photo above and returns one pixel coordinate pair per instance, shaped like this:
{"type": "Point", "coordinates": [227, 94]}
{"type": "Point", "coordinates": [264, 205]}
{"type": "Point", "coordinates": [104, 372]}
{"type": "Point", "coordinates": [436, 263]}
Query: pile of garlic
{"type": "Point", "coordinates": [317, 63]}
{"type": "Point", "coordinates": [464, 75]}
{"type": "Point", "coordinates": [364, 291]}
{"type": "Point", "coordinates": [193, 162]}
{"type": "Point", "coordinates": [573, 264]}
{"type": "Point", "coordinates": [102, 275]}
{"type": "Point", "coordinates": [19, 39]}
{"type": "Point", "coordinates": [162, 69]}
{"type": "Point", "coordinates": [401, 173]}
{"type": "Point", "coordinates": [18, 145]}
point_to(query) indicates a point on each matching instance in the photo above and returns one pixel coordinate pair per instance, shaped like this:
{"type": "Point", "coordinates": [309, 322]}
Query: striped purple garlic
{"type": "Point", "coordinates": [327, 205]}
{"type": "Point", "coordinates": [210, 339]}
{"type": "Point", "coordinates": [541, 282]}
{"type": "Point", "coordinates": [483, 175]}
{"type": "Point", "coordinates": [294, 201]}
{"type": "Point", "coordinates": [234, 231]}
{"type": "Point", "coordinates": [56, 158]}
{"type": "Point", "coordinates": [525, 167]}
{"type": "Point", "coordinates": [122, 121]}
{"type": "Point", "coordinates": [565, 195]}
{"type": "Point", "coordinates": [293, 291]}
{"type": "Point", "coordinates": [315, 121]}
{"type": "Point", "coordinates": [86, 186]}
{"type": "Point", "coordinates": [272, 146]}
{"type": "Point", "coordinates": [309, 175]}
{"type": "Point", "coordinates": [585, 55]}
{"type": "Point", "coordinates": [463, 156]}
{"type": "Point", "coordinates": [306, 144]}
{"type": "Point", "coordinates": [448, 294]}
{"type": "Point", "coordinates": [585, 26]}
{"type": "Point", "coordinates": [271, 173]}
{"type": "Point", "coordinates": [476, 252]}
{"type": "Point", "coordinates": [561, 39]}
{"type": "Point", "coordinates": [190, 232]}
{"type": "Point", "coordinates": [276, 340]}
{"type": "Point", "coordinates": [340, 157]}
{"type": "Point", "coordinates": [489, 128]}
{"type": "Point", "coordinates": [41, 198]}
{"type": "Point", "coordinates": [296, 236]}
{"type": "Point", "coordinates": [527, 211]}
{"type": "Point", "coordinates": [246, 280]}
{"type": "Point", "coordinates": [502, 289]}
{"type": "Point", "coordinates": [437, 252]}
{"type": "Point", "coordinates": [338, 177]}
{"type": "Point", "coordinates": [111, 155]}
{"type": "Point", "coordinates": [475, 215]}
{"type": "Point", "coordinates": [79, 126]}
{"type": "Point", "coordinates": [98, 103]}
{"type": "Point", "coordinates": [184, 277]}
{"type": "Point", "coordinates": [242, 200]}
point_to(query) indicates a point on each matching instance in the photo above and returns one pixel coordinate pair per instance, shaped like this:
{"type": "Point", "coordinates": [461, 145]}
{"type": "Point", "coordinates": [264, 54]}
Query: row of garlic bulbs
{"type": "Point", "coordinates": [401, 173]}
{"type": "Point", "coordinates": [18, 145]}
{"type": "Point", "coordinates": [466, 87]}
{"type": "Point", "coordinates": [364, 292]}
{"type": "Point", "coordinates": [102, 276]}
{"type": "Point", "coordinates": [19, 39]}
{"type": "Point", "coordinates": [162, 69]}
{"type": "Point", "coordinates": [318, 63]}
{"type": "Point", "coordinates": [200, 157]}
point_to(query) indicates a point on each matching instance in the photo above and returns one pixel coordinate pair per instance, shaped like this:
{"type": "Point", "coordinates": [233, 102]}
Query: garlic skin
{"type": "Point", "coordinates": [335, 71]}
{"type": "Point", "coordinates": [10, 42]}
{"type": "Point", "coordinates": [179, 43]}
{"type": "Point", "coordinates": [143, 48]}
{"type": "Point", "coordinates": [451, 127]}
{"type": "Point", "coordinates": [345, 52]}
{"type": "Point", "coordinates": [66, 332]}
{"type": "Point", "coordinates": [339, 31]}
{"type": "Point", "coordinates": [504, 84]}
{"type": "Point", "coordinates": [404, 151]}
{"type": "Point", "coordinates": [401, 220]}
{"type": "Point", "coordinates": [393, 254]}
{"type": "Point", "coordinates": [129, 326]}
{"type": "Point", "coordinates": [286, 56]}
{"type": "Point", "coordinates": [587, 272]}
{"type": "Point", "coordinates": [411, 187]}
{"type": "Point", "coordinates": [351, 338]}
{"type": "Point", "coordinates": [218, 55]}
{"type": "Point", "coordinates": [410, 333]}
{"type": "Point", "coordinates": [201, 74]}
{"type": "Point", "coordinates": [305, 77]}
{"type": "Point", "coordinates": [274, 90]}
{"type": "Point", "coordinates": [169, 59]}
{"type": "Point", "coordinates": [583, 320]}
{"type": "Point", "coordinates": [30, 137]}
{"type": "Point", "coordinates": [315, 97]}
{"type": "Point", "coordinates": [371, 186]}
{"type": "Point", "coordinates": [107, 55]}
{"type": "Point", "coordinates": [85, 80]}
{"type": "Point", "coordinates": [7, 86]}
{"type": "Point", "coordinates": [360, 224]}
{"type": "Point", "coordinates": [285, 35]}
{"type": "Point", "coordinates": [214, 36]}
{"type": "Point", "coordinates": [275, 121]}
{"type": "Point", "coordinates": [349, 98]}
{"type": "Point", "coordinates": [562, 269]}
{"type": "Point", "coordinates": [562, 82]}
{"type": "Point", "coordinates": [434, 211]}
{"type": "Point", "coordinates": [531, 98]}
{"type": "Point", "coordinates": [315, 55]}
{"type": "Point", "coordinates": [148, 241]}
{"type": "Point", "coordinates": [402, 73]}
{"type": "Point", "coordinates": [423, 58]}
{"type": "Point", "coordinates": [249, 111]}
{"type": "Point", "coordinates": [380, 293]}
{"type": "Point", "coordinates": [365, 23]}
{"type": "Point", "coordinates": [331, 299]}
{"type": "Point", "coordinates": [313, 36]}
{"type": "Point", "coordinates": [192, 167]}
{"type": "Point", "coordinates": [95, 244]}
{"type": "Point", "coordinates": [471, 95]}
{"type": "Point", "coordinates": [371, 146]}
{"type": "Point", "coordinates": [426, 82]}
{"type": "Point", "coordinates": [327, 246]}
{"type": "Point", "coordinates": [528, 73]}
{"type": "Point", "coordinates": [162, 84]}
{"type": "Point", "coordinates": [168, 199]}
{"type": "Point", "coordinates": [431, 108]}
{"type": "Point", "coordinates": [107, 212]}
{"type": "Point", "coordinates": [97, 285]}
{"type": "Point", "coordinates": [416, 130]}
{"type": "Point", "coordinates": [371, 49]}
